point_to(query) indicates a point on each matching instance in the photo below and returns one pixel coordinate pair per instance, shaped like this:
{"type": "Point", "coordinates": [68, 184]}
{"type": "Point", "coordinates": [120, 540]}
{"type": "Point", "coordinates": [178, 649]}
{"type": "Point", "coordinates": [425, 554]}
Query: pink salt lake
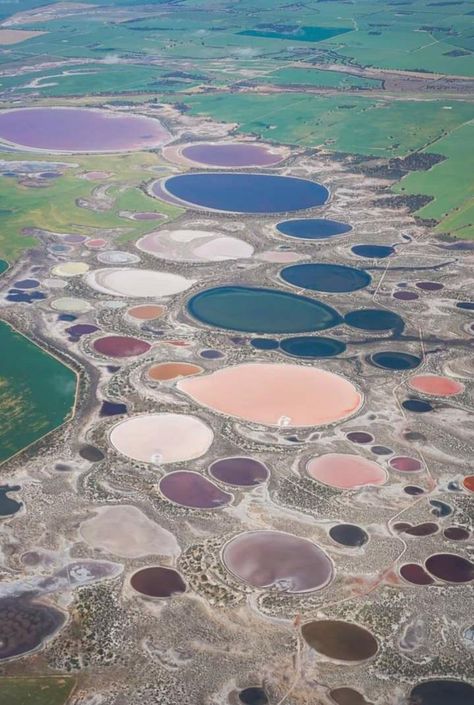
{"type": "Point", "coordinates": [437, 385]}
{"type": "Point", "coordinates": [275, 394]}
{"type": "Point", "coordinates": [346, 471]}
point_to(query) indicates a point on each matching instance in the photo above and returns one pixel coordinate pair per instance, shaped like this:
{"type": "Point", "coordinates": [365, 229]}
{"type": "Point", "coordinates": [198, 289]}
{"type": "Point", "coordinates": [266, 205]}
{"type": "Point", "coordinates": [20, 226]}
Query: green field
{"type": "Point", "coordinates": [416, 35]}
{"type": "Point", "coordinates": [294, 76]}
{"type": "Point", "coordinates": [37, 392]}
{"type": "Point", "coordinates": [449, 182]}
{"type": "Point", "coordinates": [96, 79]}
{"type": "Point", "coordinates": [349, 124]}
{"type": "Point", "coordinates": [47, 690]}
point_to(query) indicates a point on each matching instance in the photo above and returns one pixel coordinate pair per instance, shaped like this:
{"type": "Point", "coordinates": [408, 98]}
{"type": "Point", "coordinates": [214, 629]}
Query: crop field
{"type": "Point", "coordinates": [449, 182]}
{"type": "Point", "coordinates": [354, 124]}
{"type": "Point", "coordinates": [52, 690]}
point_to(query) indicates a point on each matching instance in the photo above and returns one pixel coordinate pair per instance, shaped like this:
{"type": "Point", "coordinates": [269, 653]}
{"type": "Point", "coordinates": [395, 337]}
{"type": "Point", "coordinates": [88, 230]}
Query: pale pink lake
{"type": "Point", "coordinates": [345, 471]}
{"type": "Point", "coordinates": [275, 394]}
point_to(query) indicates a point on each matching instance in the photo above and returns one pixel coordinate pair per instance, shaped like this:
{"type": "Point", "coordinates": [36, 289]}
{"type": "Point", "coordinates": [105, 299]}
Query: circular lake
{"type": "Point", "coordinates": [442, 692]}
{"type": "Point", "coordinates": [436, 385]}
{"type": "Point", "coordinates": [239, 471]}
{"type": "Point", "coordinates": [312, 228]}
{"type": "Point", "coordinates": [80, 130]}
{"type": "Point", "coordinates": [340, 640]}
{"type": "Point", "coordinates": [395, 360]}
{"type": "Point", "coordinates": [373, 251]}
{"type": "Point", "coordinates": [157, 581]}
{"type": "Point", "coordinates": [244, 193]}
{"type": "Point", "coordinates": [231, 154]}
{"type": "Point", "coordinates": [258, 310]}
{"type": "Point", "coordinates": [375, 319]}
{"type": "Point", "coordinates": [312, 347]}
{"type": "Point", "coordinates": [161, 438]}
{"type": "Point", "coordinates": [265, 559]}
{"type": "Point", "coordinates": [345, 471]}
{"type": "Point", "coordinates": [330, 278]}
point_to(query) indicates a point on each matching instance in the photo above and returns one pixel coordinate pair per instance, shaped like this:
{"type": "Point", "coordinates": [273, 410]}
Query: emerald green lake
{"type": "Point", "coordinates": [3, 266]}
{"type": "Point", "coordinates": [36, 392]}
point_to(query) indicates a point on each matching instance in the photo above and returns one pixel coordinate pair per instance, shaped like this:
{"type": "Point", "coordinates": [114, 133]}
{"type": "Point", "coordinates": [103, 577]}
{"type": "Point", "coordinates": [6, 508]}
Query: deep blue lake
{"type": "Point", "coordinates": [394, 360]}
{"type": "Point", "coordinates": [312, 228]}
{"type": "Point", "coordinates": [312, 347]}
{"type": "Point", "coordinates": [375, 319]}
{"type": "Point", "coordinates": [258, 310]}
{"type": "Point", "coordinates": [373, 251]}
{"type": "Point", "coordinates": [330, 278]}
{"type": "Point", "coordinates": [246, 193]}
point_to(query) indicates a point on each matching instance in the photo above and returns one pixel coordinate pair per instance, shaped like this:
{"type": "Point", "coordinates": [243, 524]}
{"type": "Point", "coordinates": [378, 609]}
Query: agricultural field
{"type": "Point", "coordinates": [52, 690]}
{"type": "Point", "coordinates": [352, 124]}
{"type": "Point", "coordinates": [449, 183]}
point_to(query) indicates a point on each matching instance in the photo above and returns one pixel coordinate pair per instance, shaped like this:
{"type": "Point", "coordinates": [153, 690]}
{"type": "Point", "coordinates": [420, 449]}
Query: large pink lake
{"type": "Point", "coordinates": [80, 130]}
{"type": "Point", "coordinates": [275, 394]}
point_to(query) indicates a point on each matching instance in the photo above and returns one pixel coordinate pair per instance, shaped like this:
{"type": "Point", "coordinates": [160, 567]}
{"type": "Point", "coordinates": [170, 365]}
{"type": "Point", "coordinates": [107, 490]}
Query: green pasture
{"type": "Point", "coordinates": [449, 182]}
{"type": "Point", "coordinates": [349, 124]}
{"type": "Point", "coordinates": [95, 79]}
{"type": "Point", "coordinates": [25, 690]}
{"type": "Point", "coordinates": [293, 76]}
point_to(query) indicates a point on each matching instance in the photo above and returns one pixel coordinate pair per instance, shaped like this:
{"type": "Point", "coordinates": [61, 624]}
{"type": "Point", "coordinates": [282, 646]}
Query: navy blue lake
{"type": "Point", "coordinates": [330, 278]}
{"type": "Point", "coordinates": [375, 319]}
{"type": "Point", "coordinates": [312, 228]}
{"type": "Point", "coordinates": [373, 251]}
{"type": "Point", "coordinates": [312, 347]}
{"type": "Point", "coordinates": [246, 193]}
{"type": "Point", "coordinates": [258, 310]}
{"type": "Point", "coordinates": [394, 360]}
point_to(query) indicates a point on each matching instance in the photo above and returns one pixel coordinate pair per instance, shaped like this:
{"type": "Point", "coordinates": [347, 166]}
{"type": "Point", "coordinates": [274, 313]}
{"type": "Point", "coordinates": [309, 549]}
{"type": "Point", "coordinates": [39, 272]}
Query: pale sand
{"type": "Point", "coordinates": [436, 385]}
{"type": "Point", "coordinates": [162, 438]}
{"type": "Point", "coordinates": [14, 36]}
{"type": "Point", "coordinates": [117, 257]}
{"type": "Point", "coordinates": [194, 246]}
{"type": "Point", "coordinates": [69, 304]}
{"type": "Point", "coordinates": [280, 256]}
{"type": "Point", "coordinates": [276, 394]}
{"type": "Point", "coordinates": [346, 471]}
{"type": "Point", "coordinates": [70, 269]}
{"type": "Point", "coordinates": [126, 531]}
{"type": "Point", "coordinates": [137, 282]}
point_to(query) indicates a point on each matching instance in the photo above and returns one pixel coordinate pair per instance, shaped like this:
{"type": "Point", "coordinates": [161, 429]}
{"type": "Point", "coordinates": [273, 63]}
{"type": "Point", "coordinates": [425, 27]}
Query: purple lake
{"type": "Point", "coordinates": [276, 559]}
{"type": "Point", "coordinates": [240, 471]}
{"type": "Point", "coordinates": [190, 489]}
{"type": "Point", "coordinates": [231, 154]}
{"type": "Point", "coordinates": [80, 130]}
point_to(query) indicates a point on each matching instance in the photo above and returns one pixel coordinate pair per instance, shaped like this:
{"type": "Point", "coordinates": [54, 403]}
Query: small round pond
{"type": "Point", "coordinates": [312, 228]}
{"type": "Point", "coordinates": [157, 581]}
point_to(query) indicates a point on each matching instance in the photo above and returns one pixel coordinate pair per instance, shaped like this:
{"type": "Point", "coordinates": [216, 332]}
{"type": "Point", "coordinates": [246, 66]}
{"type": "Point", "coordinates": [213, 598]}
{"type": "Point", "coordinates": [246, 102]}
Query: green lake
{"type": "Point", "coordinates": [36, 392]}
